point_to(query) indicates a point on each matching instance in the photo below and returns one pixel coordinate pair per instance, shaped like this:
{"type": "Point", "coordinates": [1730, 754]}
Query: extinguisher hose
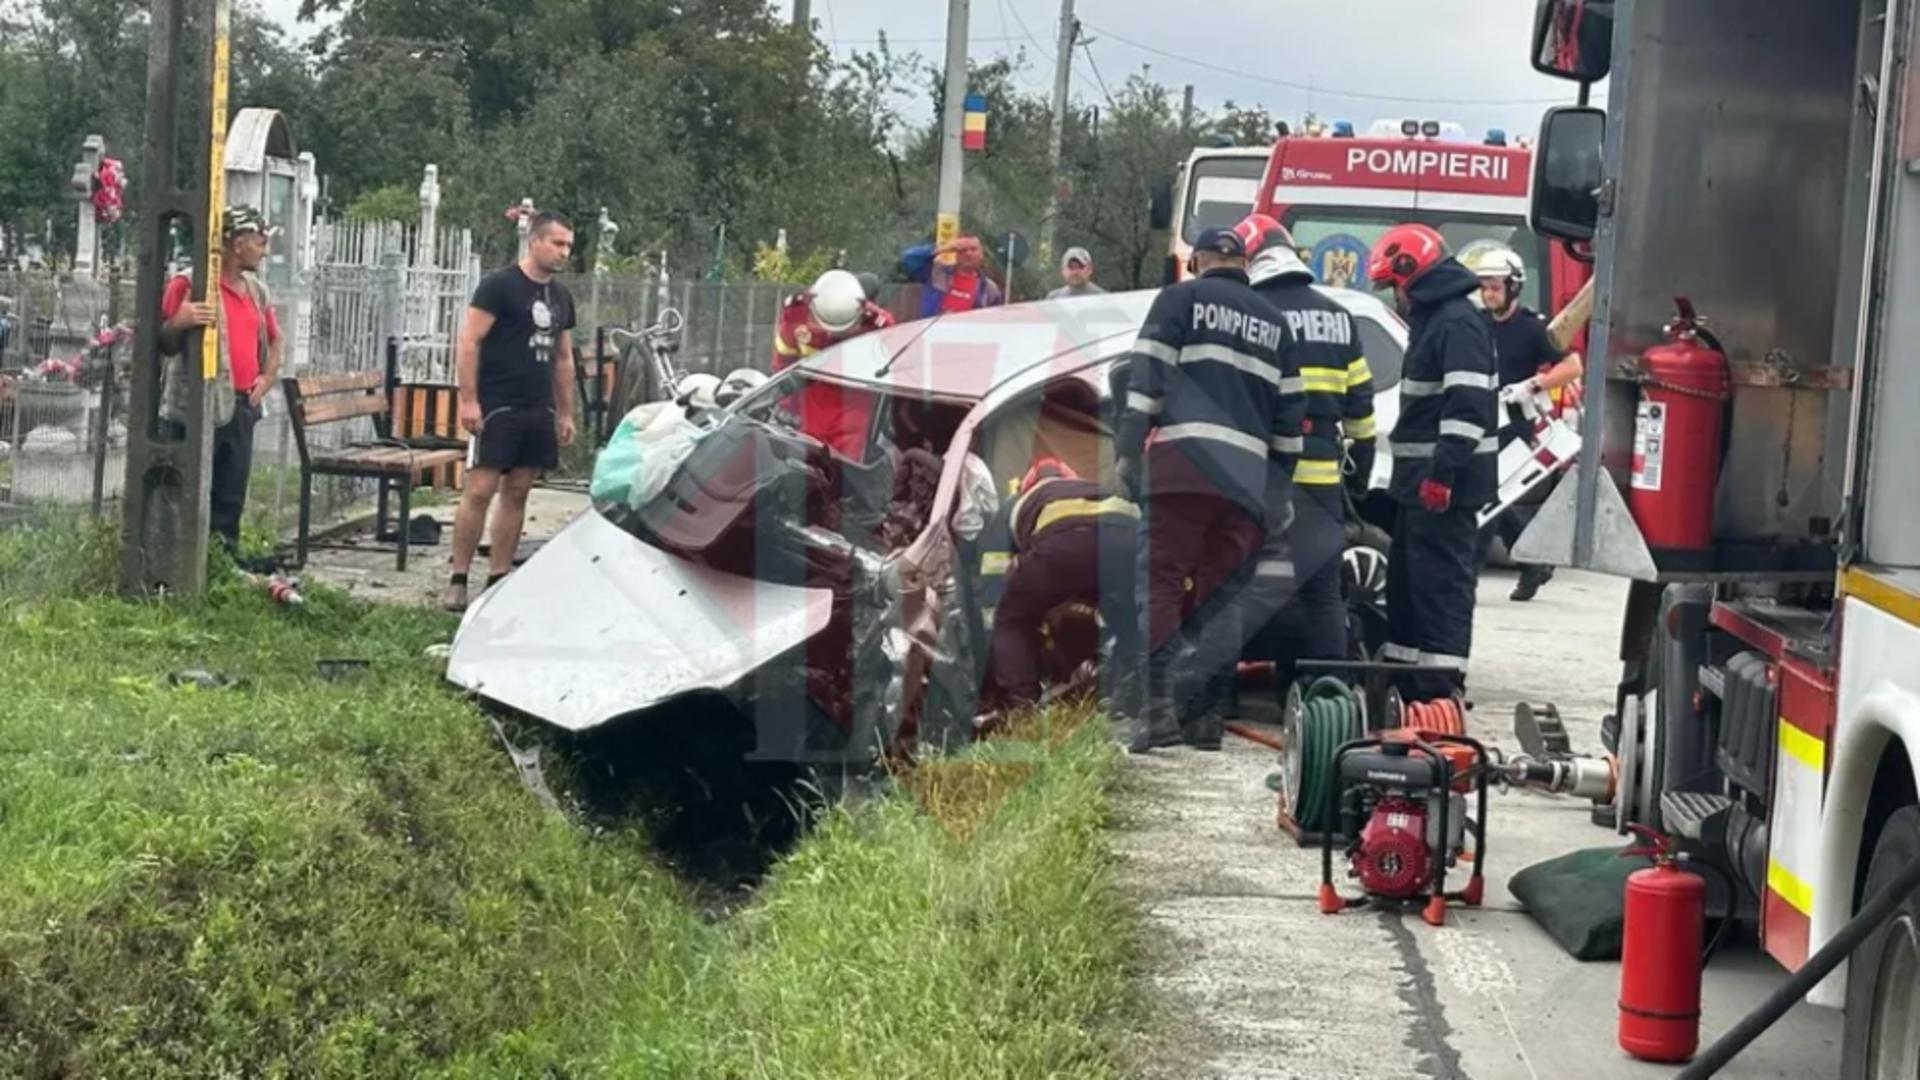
{"type": "Point", "coordinates": [1726, 922]}
{"type": "Point", "coordinates": [1872, 916]}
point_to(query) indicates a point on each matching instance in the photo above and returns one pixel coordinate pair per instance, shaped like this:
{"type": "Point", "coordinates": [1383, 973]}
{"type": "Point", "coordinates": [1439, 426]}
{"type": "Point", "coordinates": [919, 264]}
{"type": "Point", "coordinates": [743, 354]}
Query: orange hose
{"type": "Point", "coordinates": [1441, 716]}
{"type": "Point", "coordinates": [1252, 734]}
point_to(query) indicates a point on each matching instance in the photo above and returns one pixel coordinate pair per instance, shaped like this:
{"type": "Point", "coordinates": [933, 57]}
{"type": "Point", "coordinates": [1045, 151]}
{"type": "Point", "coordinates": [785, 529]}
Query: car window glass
{"type": "Point", "coordinates": [1383, 353]}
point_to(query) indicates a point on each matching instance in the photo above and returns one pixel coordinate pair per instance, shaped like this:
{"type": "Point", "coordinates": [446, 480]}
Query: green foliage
{"type": "Point", "coordinates": [391, 203]}
{"type": "Point", "coordinates": [302, 877]}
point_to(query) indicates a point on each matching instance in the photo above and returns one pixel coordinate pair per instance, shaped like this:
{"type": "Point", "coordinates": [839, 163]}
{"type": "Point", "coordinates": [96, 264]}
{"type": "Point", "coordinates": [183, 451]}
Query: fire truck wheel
{"type": "Point", "coordinates": [1883, 975]}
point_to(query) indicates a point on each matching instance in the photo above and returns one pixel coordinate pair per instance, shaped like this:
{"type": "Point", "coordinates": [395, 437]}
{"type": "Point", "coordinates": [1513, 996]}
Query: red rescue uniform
{"type": "Point", "coordinates": [837, 416]}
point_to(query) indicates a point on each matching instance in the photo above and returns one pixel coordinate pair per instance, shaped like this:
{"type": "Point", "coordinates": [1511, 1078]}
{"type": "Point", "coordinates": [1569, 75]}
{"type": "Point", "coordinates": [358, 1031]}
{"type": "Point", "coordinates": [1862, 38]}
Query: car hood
{"type": "Point", "coordinates": [599, 624]}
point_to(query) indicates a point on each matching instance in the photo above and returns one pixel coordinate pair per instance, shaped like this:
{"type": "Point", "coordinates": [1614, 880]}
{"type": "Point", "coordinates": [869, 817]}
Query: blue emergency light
{"type": "Point", "coordinates": [1343, 129]}
{"type": "Point", "coordinates": [1496, 137]}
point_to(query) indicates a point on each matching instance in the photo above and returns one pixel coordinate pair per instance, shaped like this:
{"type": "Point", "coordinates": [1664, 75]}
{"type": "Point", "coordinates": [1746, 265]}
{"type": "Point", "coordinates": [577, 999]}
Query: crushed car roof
{"type": "Point", "coordinates": [967, 356]}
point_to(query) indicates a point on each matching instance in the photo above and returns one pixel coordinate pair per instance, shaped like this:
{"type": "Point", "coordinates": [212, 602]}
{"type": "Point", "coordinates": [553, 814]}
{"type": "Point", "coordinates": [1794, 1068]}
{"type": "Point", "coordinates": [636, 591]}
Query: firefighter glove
{"type": "Point", "coordinates": [1435, 496]}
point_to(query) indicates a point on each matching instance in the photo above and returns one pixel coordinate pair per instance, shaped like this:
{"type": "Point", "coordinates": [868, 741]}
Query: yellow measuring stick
{"type": "Point", "coordinates": [216, 190]}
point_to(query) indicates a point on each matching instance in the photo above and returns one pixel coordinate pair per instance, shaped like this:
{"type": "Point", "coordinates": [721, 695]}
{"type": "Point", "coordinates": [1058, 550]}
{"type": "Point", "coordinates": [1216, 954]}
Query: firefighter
{"type": "Point", "coordinates": [1071, 541]}
{"type": "Point", "coordinates": [1444, 452]}
{"type": "Point", "coordinates": [1530, 360]}
{"type": "Point", "coordinates": [1213, 405]}
{"type": "Point", "coordinates": [1296, 581]}
{"type": "Point", "coordinates": [834, 310]}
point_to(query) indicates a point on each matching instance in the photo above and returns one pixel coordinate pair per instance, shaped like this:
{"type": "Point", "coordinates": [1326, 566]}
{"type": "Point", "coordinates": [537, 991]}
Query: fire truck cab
{"type": "Point", "coordinates": [1337, 192]}
{"type": "Point", "coordinates": [1759, 160]}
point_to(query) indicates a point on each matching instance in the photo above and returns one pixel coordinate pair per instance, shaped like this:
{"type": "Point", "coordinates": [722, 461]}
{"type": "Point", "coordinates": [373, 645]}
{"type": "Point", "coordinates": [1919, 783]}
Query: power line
{"type": "Point", "coordinates": [1087, 46]}
{"type": "Point", "coordinates": [1357, 95]}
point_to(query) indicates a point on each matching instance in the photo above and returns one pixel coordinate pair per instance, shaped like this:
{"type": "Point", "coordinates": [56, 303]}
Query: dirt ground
{"type": "Point", "coordinates": [366, 570]}
{"type": "Point", "coordinates": [1251, 981]}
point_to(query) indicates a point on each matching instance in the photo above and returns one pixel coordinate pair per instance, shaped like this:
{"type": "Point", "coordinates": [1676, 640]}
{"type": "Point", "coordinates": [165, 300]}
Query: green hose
{"type": "Point", "coordinates": [1330, 717]}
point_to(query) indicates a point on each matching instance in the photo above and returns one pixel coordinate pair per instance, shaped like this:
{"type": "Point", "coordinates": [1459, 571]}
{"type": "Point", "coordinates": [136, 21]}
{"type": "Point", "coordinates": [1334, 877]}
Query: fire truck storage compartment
{"type": "Point", "coordinates": [1760, 258]}
{"type": "Point", "coordinates": [1747, 718]}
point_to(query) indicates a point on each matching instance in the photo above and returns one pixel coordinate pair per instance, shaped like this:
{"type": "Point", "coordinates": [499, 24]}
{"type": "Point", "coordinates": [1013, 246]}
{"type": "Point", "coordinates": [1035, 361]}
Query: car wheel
{"type": "Point", "coordinates": [1882, 1027]}
{"type": "Point", "coordinates": [1364, 572]}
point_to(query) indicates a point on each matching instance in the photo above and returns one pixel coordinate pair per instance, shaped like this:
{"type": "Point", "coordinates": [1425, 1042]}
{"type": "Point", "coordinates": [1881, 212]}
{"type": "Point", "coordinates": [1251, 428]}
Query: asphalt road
{"type": "Point", "coordinates": [1251, 981]}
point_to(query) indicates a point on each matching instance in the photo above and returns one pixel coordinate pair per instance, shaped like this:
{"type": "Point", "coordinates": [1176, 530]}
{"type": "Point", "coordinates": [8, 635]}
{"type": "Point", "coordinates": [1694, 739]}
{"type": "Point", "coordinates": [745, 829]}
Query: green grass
{"type": "Point", "coordinates": [309, 878]}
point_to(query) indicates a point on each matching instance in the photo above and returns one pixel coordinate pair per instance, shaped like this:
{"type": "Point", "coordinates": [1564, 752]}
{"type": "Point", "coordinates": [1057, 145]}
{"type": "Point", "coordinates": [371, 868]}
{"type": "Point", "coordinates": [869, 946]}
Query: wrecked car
{"type": "Point", "coordinates": [830, 588]}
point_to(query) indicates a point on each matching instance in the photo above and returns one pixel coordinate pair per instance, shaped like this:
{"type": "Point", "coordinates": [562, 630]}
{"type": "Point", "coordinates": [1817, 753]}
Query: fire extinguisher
{"type": "Point", "coordinates": [1685, 383]}
{"type": "Point", "coordinates": [1660, 958]}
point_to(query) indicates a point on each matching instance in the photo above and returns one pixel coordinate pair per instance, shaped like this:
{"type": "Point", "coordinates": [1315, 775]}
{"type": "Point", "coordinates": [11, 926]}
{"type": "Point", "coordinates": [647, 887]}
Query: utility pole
{"type": "Point", "coordinates": [953, 123]}
{"type": "Point", "coordinates": [1062, 76]}
{"type": "Point", "coordinates": [1186, 113]}
{"type": "Point", "coordinates": [803, 14]}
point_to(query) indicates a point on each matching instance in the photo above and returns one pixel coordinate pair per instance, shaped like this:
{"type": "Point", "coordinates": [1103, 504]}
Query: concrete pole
{"type": "Point", "coordinates": [803, 14]}
{"type": "Point", "coordinates": [1062, 76]}
{"type": "Point", "coordinates": [524, 228]}
{"type": "Point", "coordinates": [1186, 113]}
{"type": "Point", "coordinates": [953, 122]}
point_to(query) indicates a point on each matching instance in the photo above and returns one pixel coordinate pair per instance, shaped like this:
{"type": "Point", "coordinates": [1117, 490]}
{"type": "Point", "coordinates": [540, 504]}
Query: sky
{"type": "Point", "coordinates": [1359, 60]}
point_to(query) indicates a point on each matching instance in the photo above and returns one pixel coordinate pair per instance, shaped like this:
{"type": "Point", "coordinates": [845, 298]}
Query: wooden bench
{"type": "Point", "coordinates": [317, 400]}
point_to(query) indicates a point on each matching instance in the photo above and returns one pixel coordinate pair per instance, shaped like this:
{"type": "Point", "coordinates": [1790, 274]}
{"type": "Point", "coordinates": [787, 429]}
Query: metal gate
{"type": "Point", "coordinates": [379, 279]}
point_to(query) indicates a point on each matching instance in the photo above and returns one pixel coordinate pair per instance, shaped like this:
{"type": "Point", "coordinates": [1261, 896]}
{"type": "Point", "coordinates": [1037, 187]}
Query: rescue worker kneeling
{"type": "Point", "coordinates": [1072, 542]}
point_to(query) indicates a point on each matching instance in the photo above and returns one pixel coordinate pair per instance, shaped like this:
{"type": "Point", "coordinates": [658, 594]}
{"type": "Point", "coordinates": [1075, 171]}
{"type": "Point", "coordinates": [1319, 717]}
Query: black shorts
{"type": "Point", "coordinates": [517, 437]}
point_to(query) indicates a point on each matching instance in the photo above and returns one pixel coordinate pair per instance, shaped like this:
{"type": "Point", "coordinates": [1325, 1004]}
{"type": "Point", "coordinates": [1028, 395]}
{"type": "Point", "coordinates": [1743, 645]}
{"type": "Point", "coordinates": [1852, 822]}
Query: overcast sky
{"type": "Point", "coordinates": [1360, 60]}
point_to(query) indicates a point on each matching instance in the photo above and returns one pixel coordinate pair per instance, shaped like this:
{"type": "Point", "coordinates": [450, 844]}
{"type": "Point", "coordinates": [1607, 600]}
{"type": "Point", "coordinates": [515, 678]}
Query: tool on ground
{"type": "Point", "coordinates": [1660, 954]}
{"type": "Point", "coordinates": [1402, 799]}
{"type": "Point", "coordinates": [1547, 762]}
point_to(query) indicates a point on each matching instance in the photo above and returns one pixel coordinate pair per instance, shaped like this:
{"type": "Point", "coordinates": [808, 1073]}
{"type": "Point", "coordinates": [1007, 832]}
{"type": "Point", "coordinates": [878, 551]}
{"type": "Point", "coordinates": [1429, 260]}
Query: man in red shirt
{"type": "Point", "coordinates": [249, 359]}
{"type": "Point", "coordinates": [955, 276]}
{"type": "Point", "coordinates": [834, 310]}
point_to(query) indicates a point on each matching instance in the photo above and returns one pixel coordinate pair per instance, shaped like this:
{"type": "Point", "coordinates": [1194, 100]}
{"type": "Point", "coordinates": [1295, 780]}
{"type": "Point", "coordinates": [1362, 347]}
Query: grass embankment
{"type": "Point", "coordinates": [301, 877]}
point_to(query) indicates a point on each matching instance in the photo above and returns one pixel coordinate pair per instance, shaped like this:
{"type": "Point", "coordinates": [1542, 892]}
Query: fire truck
{"type": "Point", "coordinates": [1337, 191]}
{"type": "Point", "coordinates": [1757, 475]}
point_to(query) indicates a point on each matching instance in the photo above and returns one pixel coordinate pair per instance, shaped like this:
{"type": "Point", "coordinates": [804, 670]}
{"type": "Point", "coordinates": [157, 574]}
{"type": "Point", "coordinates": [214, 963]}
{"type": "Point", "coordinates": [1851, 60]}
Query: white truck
{"type": "Point", "coordinates": [1762, 160]}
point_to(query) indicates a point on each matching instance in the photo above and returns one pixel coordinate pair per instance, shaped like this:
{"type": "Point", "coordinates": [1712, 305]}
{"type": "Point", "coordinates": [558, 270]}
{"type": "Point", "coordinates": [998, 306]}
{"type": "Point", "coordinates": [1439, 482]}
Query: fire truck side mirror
{"type": "Point", "coordinates": [1160, 204]}
{"type": "Point", "coordinates": [1567, 173]}
{"type": "Point", "coordinates": [1573, 39]}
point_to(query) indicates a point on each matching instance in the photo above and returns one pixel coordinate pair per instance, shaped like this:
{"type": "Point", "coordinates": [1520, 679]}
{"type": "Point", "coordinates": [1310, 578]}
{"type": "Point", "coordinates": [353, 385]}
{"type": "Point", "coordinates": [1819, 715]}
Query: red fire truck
{"type": "Point", "coordinates": [1337, 191]}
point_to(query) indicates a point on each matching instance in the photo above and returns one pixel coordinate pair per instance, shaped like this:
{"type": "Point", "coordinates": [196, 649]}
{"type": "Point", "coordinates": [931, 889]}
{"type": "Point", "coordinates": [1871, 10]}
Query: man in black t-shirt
{"type": "Point", "coordinates": [1526, 353]}
{"type": "Point", "coordinates": [516, 395]}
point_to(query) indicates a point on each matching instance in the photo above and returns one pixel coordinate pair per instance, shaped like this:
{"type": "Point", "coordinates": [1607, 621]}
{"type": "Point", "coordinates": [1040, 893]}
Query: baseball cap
{"type": "Point", "coordinates": [242, 219]}
{"type": "Point", "coordinates": [1076, 255]}
{"type": "Point", "coordinates": [1222, 242]}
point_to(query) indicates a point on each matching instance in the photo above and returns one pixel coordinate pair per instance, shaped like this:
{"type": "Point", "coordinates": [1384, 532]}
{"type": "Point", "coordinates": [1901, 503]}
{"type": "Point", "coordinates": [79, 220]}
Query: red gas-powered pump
{"type": "Point", "coordinates": [1685, 382]}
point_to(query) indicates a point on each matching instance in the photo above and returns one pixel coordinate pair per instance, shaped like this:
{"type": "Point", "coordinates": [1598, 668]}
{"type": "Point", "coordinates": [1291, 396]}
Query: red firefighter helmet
{"type": "Point", "coordinates": [1261, 232]}
{"type": "Point", "coordinates": [1046, 468]}
{"type": "Point", "coordinates": [1403, 253]}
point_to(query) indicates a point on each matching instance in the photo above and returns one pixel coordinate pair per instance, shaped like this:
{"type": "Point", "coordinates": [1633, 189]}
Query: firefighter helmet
{"type": "Point", "coordinates": [836, 301]}
{"type": "Point", "coordinates": [738, 383]}
{"type": "Point", "coordinates": [696, 391]}
{"type": "Point", "coordinates": [1046, 468]}
{"type": "Point", "coordinates": [1270, 250]}
{"type": "Point", "coordinates": [1493, 259]}
{"type": "Point", "coordinates": [1403, 253]}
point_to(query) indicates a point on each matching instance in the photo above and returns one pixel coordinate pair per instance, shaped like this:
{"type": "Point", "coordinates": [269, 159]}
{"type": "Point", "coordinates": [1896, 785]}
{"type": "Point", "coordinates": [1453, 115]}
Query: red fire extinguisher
{"type": "Point", "coordinates": [1666, 910]}
{"type": "Point", "coordinates": [1685, 383]}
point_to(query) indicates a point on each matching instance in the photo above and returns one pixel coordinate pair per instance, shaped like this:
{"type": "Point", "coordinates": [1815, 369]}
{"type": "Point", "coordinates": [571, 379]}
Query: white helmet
{"type": "Point", "coordinates": [696, 391]}
{"type": "Point", "coordinates": [739, 383]}
{"type": "Point", "coordinates": [836, 301]}
{"type": "Point", "coordinates": [1493, 259]}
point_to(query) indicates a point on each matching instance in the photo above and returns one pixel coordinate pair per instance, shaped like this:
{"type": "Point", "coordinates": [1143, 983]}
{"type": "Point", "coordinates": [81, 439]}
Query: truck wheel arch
{"type": "Point", "coordinates": [1886, 722]}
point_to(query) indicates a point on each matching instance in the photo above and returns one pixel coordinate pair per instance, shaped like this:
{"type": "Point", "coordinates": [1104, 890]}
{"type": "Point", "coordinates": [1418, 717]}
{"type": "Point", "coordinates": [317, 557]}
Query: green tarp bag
{"type": "Point", "coordinates": [1580, 899]}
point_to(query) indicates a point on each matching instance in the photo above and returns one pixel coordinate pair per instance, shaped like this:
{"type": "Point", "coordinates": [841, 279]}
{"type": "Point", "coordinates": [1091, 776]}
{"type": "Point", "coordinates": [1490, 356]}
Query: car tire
{"type": "Point", "coordinates": [1882, 1024]}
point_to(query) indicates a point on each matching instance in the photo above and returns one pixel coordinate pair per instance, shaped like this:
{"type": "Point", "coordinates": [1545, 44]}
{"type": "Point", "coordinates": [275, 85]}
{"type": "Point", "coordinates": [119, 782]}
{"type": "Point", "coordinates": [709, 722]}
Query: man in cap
{"type": "Point", "coordinates": [1209, 437]}
{"type": "Point", "coordinates": [249, 361]}
{"type": "Point", "coordinates": [1076, 275]}
{"type": "Point", "coordinates": [954, 274]}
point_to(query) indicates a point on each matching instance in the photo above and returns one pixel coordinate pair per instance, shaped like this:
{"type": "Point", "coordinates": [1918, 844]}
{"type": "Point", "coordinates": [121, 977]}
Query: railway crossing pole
{"type": "Point", "coordinates": [169, 457]}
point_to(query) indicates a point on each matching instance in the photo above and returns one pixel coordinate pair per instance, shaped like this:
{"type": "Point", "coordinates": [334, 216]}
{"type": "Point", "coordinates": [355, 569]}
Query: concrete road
{"type": "Point", "coordinates": [1251, 981]}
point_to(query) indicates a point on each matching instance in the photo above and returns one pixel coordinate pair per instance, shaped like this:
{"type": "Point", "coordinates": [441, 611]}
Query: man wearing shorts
{"type": "Point", "coordinates": [516, 396]}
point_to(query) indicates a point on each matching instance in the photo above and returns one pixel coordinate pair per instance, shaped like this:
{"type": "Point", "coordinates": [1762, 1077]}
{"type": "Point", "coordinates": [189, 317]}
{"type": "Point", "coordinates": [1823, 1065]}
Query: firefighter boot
{"type": "Point", "coordinates": [1531, 578]}
{"type": "Point", "coordinates": [1157, 722]}
{"type": "Point", "coordinates": [1203, 731]}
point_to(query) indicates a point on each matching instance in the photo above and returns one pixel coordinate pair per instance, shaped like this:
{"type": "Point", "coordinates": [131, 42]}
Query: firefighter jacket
{"type": "Point", "coordinates": [1213, 379]}
{"type": "Point", "coordinates": [798, 337]}
{"type": "Point", "coordinates": [1446, 430]}
{"type": "Point", "coordinates": [1333, 369]}
{"type": "Point", "coordinates": [1063, 503]}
